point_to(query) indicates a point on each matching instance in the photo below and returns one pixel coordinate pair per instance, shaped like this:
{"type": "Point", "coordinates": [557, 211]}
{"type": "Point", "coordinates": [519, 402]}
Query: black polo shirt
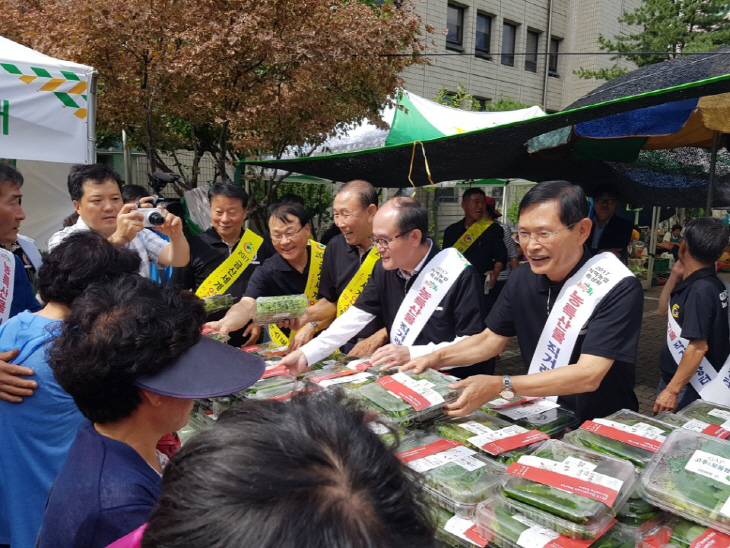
{"type": "Point", "coordinates": [340, 264]}
{"type": "Point", "coordinates": [277, 277]}
{"type": "Point", "coordinates": [488, 249]}
{"type": "Point", "coordinates": [461, 311]}
{"type": "Point", "coordinates": [208, 252]}
{"type": "Point", "coordinates": [699, 305]}
{"type": "Point", "coordinates": [611, 332]}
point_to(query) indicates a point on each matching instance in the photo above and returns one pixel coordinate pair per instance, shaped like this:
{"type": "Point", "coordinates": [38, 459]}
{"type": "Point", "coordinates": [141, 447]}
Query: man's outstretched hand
{"type": "Point", "coordinates": [13, 387]}
{"type": "Point", "coordinates": [295, 362]}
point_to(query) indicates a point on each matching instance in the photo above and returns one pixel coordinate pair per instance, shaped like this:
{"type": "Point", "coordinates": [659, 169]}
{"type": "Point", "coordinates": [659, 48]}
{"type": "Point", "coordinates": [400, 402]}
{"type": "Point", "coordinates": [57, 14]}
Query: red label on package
{"type": "Point", "coordinates": [711, 539]}
{"type": "Point", "coordinates": [281, 397]}
{"type": "Point", "coordinates": [567, 542]}
{"type": "Point", "coordinates": [275, 371]}
{"type": "Point", "coordinates": [413, 398]}
{"type": "Point", "coordinates": [716, 431]}
{"type": "Point", "coordinates": [427, 450]}
{"type": "Point", "coordinates": [333, 376]}
{"type": "Point", "coordinates": [250, 348]}
{"type": "Point", "coordinates": [658, 539]}
{"type": "Point", "coordinates": [512, 403]}
{"type": "Point", "coordinates": [473, 535]}
{"type": "Point", "coordinates": [635, 440]}
{"type": "Point", "coordinates": [498, 447]}
{"type": "Point", "coordinates": [364, 366]}
{"type": "Point", "coordinates": [576, 486]}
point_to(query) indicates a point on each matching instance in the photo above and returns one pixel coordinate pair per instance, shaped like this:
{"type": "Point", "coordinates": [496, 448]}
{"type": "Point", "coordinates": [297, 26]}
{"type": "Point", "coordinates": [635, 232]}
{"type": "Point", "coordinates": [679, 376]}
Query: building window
{"type": "Point", "coordinates": [446, 195]}
{"type": "Point", "coordinates": [481, 104]}
{"type": "Point", "coordinates": [533, 38]}
{"type": "Point", "coordinates": [553, 57]}
{"type": "Point", "coordinates": [484, 36]}
{"type": "Point", "coordinates": [509, 33]}
{"type": "Point", "coordinates": [455, 24]}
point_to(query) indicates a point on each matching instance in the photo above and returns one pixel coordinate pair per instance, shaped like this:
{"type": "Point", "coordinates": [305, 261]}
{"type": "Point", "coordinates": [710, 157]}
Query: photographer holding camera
{"type": "Point", "coordinates": [96, 191]}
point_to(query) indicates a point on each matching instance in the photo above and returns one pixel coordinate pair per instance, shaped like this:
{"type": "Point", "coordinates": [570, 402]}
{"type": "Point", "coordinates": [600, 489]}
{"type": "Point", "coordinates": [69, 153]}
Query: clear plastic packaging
{"type": "Point", "coordinates": [499, 439]}
{"type": "Point", "coordinates": [618, 536]}
{"type": "Point", "coordinates": [573, 490]}
{"type": "Point", "coordinates": [625, 435]}
{"type": "Point", "coordinates": [458, 532]}
{"type": "Point", "coordinates": [497, 520]}
{"type": "Point", "coordinates": [408, 397]}
{"type": "Point", "coordinates": [676, 532]}
{"type": "Point", "coordinates": [690, 477]}
{"type": "Point", "coordinates": [215, 335]}
{"type": "Point", "coordinates": [636, 511]}
{"type": "Point", "coordinates": [279, 308]}
{"type": "Point", "coordinates": [282, 391]}
{"type": "Point", "coordinates": [707, 418]}
{"type": "Point", "coordinates": [215, 303]}
{"type": "Point", "coordinates": [338, 376]}
{"type": "Point", "coordinates": [538, 414]}
{"type": "Point", "coordinates": [456, 477]}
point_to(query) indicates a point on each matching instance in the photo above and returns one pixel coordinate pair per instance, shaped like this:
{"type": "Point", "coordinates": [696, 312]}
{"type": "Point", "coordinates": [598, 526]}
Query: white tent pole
{"type": "Point", "coordinates": [711, 179]}
{"type": "Point", "coordinates": [652, 245]}
{"type": "Point", "coordinates": [91, 127]}
{"type": "Point", "coordinates": [126, 156]}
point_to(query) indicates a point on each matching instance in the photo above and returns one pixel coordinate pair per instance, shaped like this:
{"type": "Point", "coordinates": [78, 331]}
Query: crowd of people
{"type": "Point", "coordinates": [105, 362]}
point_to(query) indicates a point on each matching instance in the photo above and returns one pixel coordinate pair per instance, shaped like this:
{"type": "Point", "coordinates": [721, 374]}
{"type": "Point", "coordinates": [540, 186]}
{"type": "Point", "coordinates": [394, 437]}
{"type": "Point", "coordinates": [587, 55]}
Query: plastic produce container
{"type": "Point", "coordinates": [393, 434]}
{"type": "Point", "coordinates": [407, 397]}
{"type": "Point", "coordinates": [708, 418]}
{"type": "Point", "coordinates": [458, 532]}
{"type": "Point", "coordinates": [282, 307]}
{"type": "Point", "coordinates": [338, 376]}
{"type": "Point", "coordinates": [618, 536]}
{"type": "Point", "coordinates": [214, 303]}
{"type": "Point", "coordinates": [215, 335]}
{"type": "Point", "coordinates": [497, 521]}
{"type": "Point", "coordinates": [279, 392]}
{"type": "Point", "coordinates": [625, 435]}
{"type": "Point", "coordinates": [690, 477]}
{"type": "Point", "coordinates": [497, 438]}
{"type": "Point", "coordinates": [456, 477]}
{"type": "Point", "coordinates": [571, 489]}
{"type": "Point", "coordinates": [676, 532]}
{"type": "Point", "coordinates": [636, 511]}
{"type": "Point", "coordinates": [538, 414]}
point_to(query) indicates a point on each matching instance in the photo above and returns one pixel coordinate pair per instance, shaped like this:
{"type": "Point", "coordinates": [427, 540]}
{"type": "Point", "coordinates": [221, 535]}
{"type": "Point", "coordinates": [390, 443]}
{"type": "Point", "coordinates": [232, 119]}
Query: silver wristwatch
{"type": "Point", "coordinates": [314, 325]}
{"type": "Point", "coordinates": [507, 391]}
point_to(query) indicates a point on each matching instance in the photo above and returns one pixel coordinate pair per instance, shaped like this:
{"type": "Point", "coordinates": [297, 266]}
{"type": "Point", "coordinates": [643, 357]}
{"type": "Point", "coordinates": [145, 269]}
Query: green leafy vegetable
{"type": "Point", "coordinates": [281, 307]}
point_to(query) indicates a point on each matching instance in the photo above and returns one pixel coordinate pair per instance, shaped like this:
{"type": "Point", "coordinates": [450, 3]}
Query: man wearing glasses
{"type": "Point", "coordinates": [576, 317]}
{"type": "Point", "coordinates": [295, 269]}
{"type": "Point", "coordinates": [426, 299]}
{"type": "Point", "coordinates": [609, 232]}
{"type": "Point", "coordinates": [349, 261]}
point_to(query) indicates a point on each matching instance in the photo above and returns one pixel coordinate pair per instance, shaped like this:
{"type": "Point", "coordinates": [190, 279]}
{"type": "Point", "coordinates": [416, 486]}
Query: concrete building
{"type": "Point", "coordinates": [508, 47]}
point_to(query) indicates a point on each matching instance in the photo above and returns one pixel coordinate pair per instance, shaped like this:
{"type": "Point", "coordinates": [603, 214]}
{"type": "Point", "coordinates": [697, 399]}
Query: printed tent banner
{"type": "Point", "coordinates": [46, 107]}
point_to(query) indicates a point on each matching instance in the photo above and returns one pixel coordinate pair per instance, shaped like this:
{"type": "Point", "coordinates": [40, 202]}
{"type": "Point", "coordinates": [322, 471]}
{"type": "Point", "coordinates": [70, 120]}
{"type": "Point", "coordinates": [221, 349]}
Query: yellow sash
{"type": "Point", "coordinates": [229, 270]}
{"type": "Point", "coordinates": [358, 281]}
{"type": "Point", "coordinates": [472, 234]}
{"type": "Point", "coordinates": [311, 290]}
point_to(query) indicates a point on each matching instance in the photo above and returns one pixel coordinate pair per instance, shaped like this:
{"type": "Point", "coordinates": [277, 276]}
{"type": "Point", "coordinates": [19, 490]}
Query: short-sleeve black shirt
{"type": "Point", "coordinates": [340, 264]}
{"type": "Point", "coordinates": [208, 252]}
{"type": "Point", "coordinates": [461, 312]}
{"type": "Point", "coordinates": [488, 249]}
{"type": "Point", "coordinates": [277, 277]}
{"type": "Point", "coordinates": [699, 305]}
{"type": "Point", "coordinates": [611, 332]}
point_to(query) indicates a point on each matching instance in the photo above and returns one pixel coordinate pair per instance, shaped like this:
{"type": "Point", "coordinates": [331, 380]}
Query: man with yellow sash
{"type": "Point", "coordinates": [577, 317]}
{"type": "Point", "coordinates": [478, 237]}
{"type": "Point", "coordinates": [224, 257]}
{"type": "Point", "coordinates": [294, 269]}
{"type": "Point", "coordinates": [348, 264]}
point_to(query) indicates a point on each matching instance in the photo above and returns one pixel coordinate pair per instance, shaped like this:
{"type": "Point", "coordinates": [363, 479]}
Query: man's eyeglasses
{"type": "Point", "coordinates": [539, 237]}
{"type": "Point", "coordinates": [289, 234]}
{"type": "Point", "coordinates": [605, 201]}
{"type": "Point", "coordinates": [385, 242]}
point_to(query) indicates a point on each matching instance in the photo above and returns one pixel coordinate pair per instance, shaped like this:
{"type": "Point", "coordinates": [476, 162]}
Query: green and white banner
{"type": "Point", "coordinates": [46, 110]}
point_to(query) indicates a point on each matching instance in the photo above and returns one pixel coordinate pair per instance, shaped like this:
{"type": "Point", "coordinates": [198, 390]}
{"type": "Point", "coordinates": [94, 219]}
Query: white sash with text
{"type": "Point", "coordinates": [575, 304]}
{"type": "Point", "coordinates": [425, 295]}
{"type": "Point", "coordinates": [709, 384]}
{"type": "Point", "coordinates": [7, 283]}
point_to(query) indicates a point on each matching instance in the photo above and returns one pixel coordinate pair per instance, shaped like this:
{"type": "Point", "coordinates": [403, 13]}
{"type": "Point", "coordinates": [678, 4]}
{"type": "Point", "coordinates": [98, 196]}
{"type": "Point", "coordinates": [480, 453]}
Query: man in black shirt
{"type": "Point", "coordinates": [595, 376]}
{"type": "Point", "coordinates": [399, 229]}
{"type": "Point", "coordinates": [293, 270]}
{"type": "Point", "coordinates": [349, 255]}
{"type": "Point", "coordinates": [486, 251]}
{"type": "Point", "coordinates": [697, 301]}
{"type": "Point", "coordinates": [210, 249]}
{"type": "Point", "coordinates": [609, 231]}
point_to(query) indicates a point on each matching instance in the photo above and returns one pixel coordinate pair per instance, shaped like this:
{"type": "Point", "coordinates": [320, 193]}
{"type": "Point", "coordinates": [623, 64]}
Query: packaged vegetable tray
{"type": "Point", "coordinates": [498, 522]}
{"type": "Point", "coordinates": [458, 532]}
{"type": "Point", "coordinates": [407, 397]}
{"type": "Point", "coordinates": [534, 414]}
{"type": "Point", "coordinates": [282, 307]}
{"type": "Point", "coordinates": [636, 511]}
{"type": "Point", "coordinates": [571, 489]}
{"type": "Point", "coordinates": [456, 477]}
{"type": "Point", "coordinates": [279, 392]}
{"type": "Point", "coordinates": [213, 303]}
{"type": "Point", "coordinates": [499, 439]}
{"type": "Point", "coordinates": [690, 477]}
{"type": "Point", "coordinates": [625, 435]}
{"type": "Point", "coordinates": [676, 532]}
{"type": "Point", "coordinates": [708, 418]}
{"type": "Point", "coordinates": [338, 376]}
{"type": "Point", "coordinates": [215, 335]}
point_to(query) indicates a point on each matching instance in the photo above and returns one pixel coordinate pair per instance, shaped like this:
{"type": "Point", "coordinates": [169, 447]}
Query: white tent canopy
{"type": "Point", "coordinates": [47, 114]}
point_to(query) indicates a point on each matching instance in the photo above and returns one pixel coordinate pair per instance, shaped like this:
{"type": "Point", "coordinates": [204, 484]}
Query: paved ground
{"type": "Point", "coordinates": [647, 367]}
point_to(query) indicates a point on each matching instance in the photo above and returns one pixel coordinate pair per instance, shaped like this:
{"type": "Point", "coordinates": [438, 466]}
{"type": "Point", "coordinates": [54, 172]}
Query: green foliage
{"type": "Point", "coordinates": [462, 99]}
{"type": "Point", "coordinates": [668, 27]}
{"type": "Point", "coordinates": [513, 213]}
{"type": "Point", "coordinates": [504, 104]}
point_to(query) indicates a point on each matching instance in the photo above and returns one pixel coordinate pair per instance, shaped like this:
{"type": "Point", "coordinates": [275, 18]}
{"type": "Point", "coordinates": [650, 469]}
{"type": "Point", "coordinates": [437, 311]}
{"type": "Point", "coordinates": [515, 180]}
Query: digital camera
{"type": "Point", "coordinates": [151, 216]}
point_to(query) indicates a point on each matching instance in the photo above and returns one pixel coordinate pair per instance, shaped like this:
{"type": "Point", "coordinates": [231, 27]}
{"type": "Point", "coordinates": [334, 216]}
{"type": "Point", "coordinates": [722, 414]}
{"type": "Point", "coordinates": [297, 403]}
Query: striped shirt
{"type": "Point", "coordinates": [146, 243]}
{"type": "Point", "coordinates": [511, 246]}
